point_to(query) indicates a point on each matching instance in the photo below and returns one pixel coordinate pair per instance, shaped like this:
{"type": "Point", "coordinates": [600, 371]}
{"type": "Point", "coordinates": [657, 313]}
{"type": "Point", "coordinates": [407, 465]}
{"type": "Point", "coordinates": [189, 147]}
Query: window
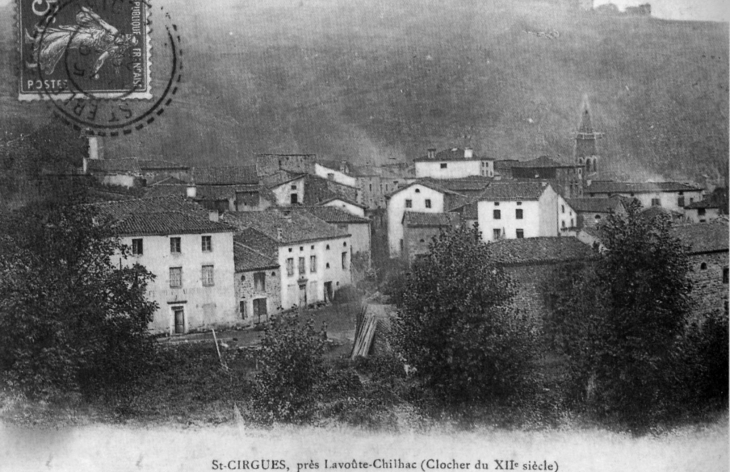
{"type": "Point", "coordinates": [428, 203]}
{"type": "Point", "coordinates": [497, 214]}
{"type": "Point", "coordinates": [562, 208]}
{"type": "Point", "coordinates": [680, 201]}
{"type": "Point", "coordinates": [259, 281]}
{"type": "Point", "coordinates": [409, 203]}
{"type": "Point", "coordinates": [703, 266]}
{"type": "Point", "coordinates": [328, 265]}
{"type": "Point", "coordinates": [443, 165]}
{"type": "Point", "coordinates": [175, 245]}
{"type": "Point", "coordinates": [242, 309]}
{"type": "Point", "coordinates": [207, 243]}
{"type": "Point", "coordinates": [562, 223]}
{"type": "Point", "coordinates": [518, 213]}
{"type": "Point", "coordinates": [312, 264]}
{"type": "Point", "coordinates": [208, 276]}
{"type": "Point", "coordinates": [344, 260]}
{"type": "Point", "coordinates": [597, 217]}
{"type": "Point", "coordinates": [725, 275]}
{"type": "Point", "coordinates": [330, 176]}
{"type": "Point", "coordinates": [655, 202]}
{"type": "Point", "coordinates": [301, 248]}
{"type": "Point", "coordinates": [700, 212]}
{"type": "Point", "coordinates": [290, 266]}
{"type": "Point", "coordinates": [371, 187]}
{"type": "Point", "coordinates": [328, 247]}
{"type": "Point", "coordinates": [344, 244]}
{"type": "Point", "coordinates": [497, 233]}
{"type": "Point", "coordinates": [520, 233]}
{"type": "Point", "coordinates": [294, 199]}
{"type": "Point", "coordinates": [302, 266]}
{"type": "Point", "coordinates": [496, 204]}
{"type": "Point", "coordinates": [175, 277]}
{"type": "Point", "coordinates": [294, 187]}
{"type": "Point", "coordinates": [418, 190]}
{"type": "Point", "coordinates": [137, 248]}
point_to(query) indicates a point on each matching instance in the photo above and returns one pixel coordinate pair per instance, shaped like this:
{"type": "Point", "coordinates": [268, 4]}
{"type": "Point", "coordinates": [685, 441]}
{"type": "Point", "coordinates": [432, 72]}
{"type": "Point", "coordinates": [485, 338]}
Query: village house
{"type": "Point", "coordinates": [532, 265]}
{"type": "Point", "coordinates": [375, 182]}
{"type": "Point", "coordinates": [314, 256]}
{"type": "Point", "coordinates": [257, 284]}
{"type": "Point", "coordinates": [419, 229]}
{"type": "Point", "coordinates": [191, 255]}
{"type": "Point", "coordinates": [708, 254]}
{"type": "Point", "coordinates": [592, 211]}
{"type": "Point", "coordinates": [702, 211]}
{"type": "Point", "coordinates": [566, 179]}
{"type": "Point", "coordinates": [516, 210]}
{"type": "Point", "coordinates": [453, 163]}
{"type": "Point", "coordinates": [419, 196]}
{"type": "Point", "coordinates": [133, 172]}
{"type": "Point", "coordinates": [339, 172]}
{"type": "Point", "coordinates": [670, 195]}
{"type": "Point", "coordinates": [345, 204]}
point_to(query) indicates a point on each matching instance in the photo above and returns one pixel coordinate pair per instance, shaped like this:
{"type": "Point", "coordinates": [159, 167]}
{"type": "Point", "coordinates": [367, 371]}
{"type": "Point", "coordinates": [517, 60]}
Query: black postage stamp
{"type": "Point", "coordinates": [91, 49]}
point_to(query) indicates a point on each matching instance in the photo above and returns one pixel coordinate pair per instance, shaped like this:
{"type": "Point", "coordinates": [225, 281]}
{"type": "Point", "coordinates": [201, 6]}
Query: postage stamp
{"type": "Point", "coordinates": [91, 49]}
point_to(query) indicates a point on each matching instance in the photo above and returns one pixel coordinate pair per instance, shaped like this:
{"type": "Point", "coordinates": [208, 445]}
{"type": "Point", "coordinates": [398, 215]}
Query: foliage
{"type": "Point", "coordinates": [621, 323]}
{"type": "Point", "coordinates": [706, 360]}
{"type": "Point", "coordinates": [72, 317]}
{"type": "Point", "coordinates": [346, 294]}
{"type": "Point", "coordinates": [456, 326]}
{"type": "Point", "coordinates": [291, 368]}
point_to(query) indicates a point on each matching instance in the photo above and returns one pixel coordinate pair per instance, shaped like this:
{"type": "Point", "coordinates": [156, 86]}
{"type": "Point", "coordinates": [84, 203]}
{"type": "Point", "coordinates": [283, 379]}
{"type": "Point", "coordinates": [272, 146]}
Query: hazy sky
{"type": "Point", "coordinates": [709, 10]}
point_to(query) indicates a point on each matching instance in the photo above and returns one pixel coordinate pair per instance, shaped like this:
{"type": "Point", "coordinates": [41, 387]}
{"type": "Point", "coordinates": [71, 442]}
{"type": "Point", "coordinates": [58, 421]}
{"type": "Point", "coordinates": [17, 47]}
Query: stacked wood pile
{"type": "Point", "coordinates": [372, 329]}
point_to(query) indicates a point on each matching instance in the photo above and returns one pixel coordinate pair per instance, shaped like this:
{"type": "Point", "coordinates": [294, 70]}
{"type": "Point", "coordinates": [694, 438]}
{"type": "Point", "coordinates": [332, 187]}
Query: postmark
{"type": "Point", "coordinates": [91, 61]}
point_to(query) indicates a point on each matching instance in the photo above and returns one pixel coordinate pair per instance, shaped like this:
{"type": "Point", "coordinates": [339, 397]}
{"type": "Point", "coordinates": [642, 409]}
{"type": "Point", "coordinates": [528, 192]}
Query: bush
{"type": "Point", "coordinates": [291, 368]}
{"type": "Point", "coordinates": [346, 294]}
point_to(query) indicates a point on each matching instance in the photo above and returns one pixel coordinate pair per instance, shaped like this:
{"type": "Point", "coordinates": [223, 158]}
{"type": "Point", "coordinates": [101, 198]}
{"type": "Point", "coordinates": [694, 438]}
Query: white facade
{"type": "Point", "coordinates": [510, 219]}
{"type": "Point", "coordinates": [670, 200]}
{"type": "Point", "coordinates": [347, 206]}
{"type": "Point", "coordinates": [701, 215]}
{"type": "Point", "coordinates": [313, 271]}
{"type": "Point", "coordinates": [205, 294]}
{"type": "Point", "coordinates": [333, 174]}
{"type": "Point", "coordinates": [567, 217]}
{"type": "Point", "coordinates": [416, 197]}
{"type": "Point", "coordinates": [289, 193]}
{"type": "Point", "coordinates": [454, 169]}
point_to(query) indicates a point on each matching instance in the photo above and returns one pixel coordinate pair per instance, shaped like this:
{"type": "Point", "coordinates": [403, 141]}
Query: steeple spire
{"type": "Point", "coordinates": [585, 140]}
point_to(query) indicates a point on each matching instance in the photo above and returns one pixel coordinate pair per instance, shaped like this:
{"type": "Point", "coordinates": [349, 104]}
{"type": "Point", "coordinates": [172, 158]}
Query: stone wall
{"type": "Point", "coordinates": [709, 292]}
{"type": "Point", "coordinates": [246, 293]}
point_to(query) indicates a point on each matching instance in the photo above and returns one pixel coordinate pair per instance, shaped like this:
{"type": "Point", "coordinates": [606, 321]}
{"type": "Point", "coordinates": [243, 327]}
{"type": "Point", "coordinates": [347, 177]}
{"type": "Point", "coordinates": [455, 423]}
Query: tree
{"type": "Point", "coordinates": [622, 323]}
{"type": "Point", "coordinates": [71, 318]}
{"type": "Point", "coordinates": [456, 325]}
{"type": "Point", "coordinates": [291, 368]}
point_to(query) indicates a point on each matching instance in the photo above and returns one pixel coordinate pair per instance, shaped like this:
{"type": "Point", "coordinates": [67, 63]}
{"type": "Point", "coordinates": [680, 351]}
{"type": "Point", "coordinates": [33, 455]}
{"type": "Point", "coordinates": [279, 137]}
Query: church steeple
{"type": "Point", "coordinates": [585, 141]}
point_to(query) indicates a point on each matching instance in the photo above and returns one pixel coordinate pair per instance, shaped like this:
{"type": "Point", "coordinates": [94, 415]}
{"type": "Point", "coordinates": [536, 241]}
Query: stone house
{"type": "Point", "coordinates": [453, 163]}
{"type": "Point", "coordinates": [314, 256]}
{"type": "Point", "coordinates": [670, 195]}
{"type": "Point", "coordinates": [376, 182]}
{"type": "Point", "coordinates": [257, 284]}
{"type": "Point", "coordinates": [566, 179]}
{"type": "Point", "coordinates": [191, 255]}
{"type": "Point", "coordinates": [419, 229]}
{"type": "Point", "coordinates": [702, 211]}
{"type": "Point", "coordinates": [592, 211]}
{"type": "Point", "coordinates": [531, 263]}
{"type": "Point", "coordinates": [516, 210]}
{"type": "Point", "coordinates": [708, 253]}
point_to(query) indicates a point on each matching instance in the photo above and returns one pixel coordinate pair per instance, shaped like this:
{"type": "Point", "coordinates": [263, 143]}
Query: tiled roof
{"type": "Point", "coordinates": [159, 164]}
{"type": "Point", "coordinates": [332, 214]}
{"type": "Point", "coordinates": [163, 190]}
{"type": "Point", "coordinates": [638, 187]}
{"type": "Point", "coordinates": [541, 162]}
{"type": "Point", "coordinates": [433, 184]}
{"type": "Point", "coordinates": [594, 205]}
{"type": "Point", "coordinates": [502, 164]}
{"type": "Point", "coordinates": [127, 165]}
{"type": "Point", "coordinates": [512, 190]}
{"type": "Point", "coordinates": [416, 219]}
{"type": "Point", "coordinates": [702, 204]}
{"type": "Point", "coordinates": [281, 177]}
{"type": "Point", "coordinates": [468, 211]}
{"type": "Point", "coordinates": [166, 180]}
{"type": "Point", "coordinates": [246, 258]}
{"type": "Point", "coordinates": [540, 250]}
{"type": "Point", "coordinates": [466, 184]}
{"type": "Point", "coordinates": [344, 199]}
{"type": "Point", "coordinates": [160, 216]}
{"type": "Point", "coordinates": [225, 175]}
{"type": "Point", "coordinates": [318, 190]}
{"type": "Point", "coordinates": [296, 226]}
{"type": "Point", "coordinates": [453, 154]}
{"type": "Point", "coordinates": [654, 211]}
{"type": "Point", "coordinates": [704, 237]}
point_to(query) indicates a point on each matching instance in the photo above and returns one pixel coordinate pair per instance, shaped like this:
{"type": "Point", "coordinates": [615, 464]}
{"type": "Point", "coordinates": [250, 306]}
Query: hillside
{"type": "Point", "coordinates": [381, 81]}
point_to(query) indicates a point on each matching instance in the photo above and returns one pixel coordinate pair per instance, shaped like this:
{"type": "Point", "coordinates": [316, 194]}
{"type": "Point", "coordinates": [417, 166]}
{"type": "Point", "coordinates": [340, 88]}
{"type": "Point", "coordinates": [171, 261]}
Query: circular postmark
{"type": "Point", "coordinates": [95, 64]}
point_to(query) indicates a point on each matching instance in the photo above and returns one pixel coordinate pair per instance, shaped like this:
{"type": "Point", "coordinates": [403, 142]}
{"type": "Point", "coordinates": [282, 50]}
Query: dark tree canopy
{"type": "Point", "coordinates": [456, 324]}
{"type": "Point", "coordinates": [72, 318]}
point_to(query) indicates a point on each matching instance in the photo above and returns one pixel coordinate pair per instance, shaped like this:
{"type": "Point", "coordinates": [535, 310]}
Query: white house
{"type": "Point", "coordinates": [290, 191]}
{"type": "Point", "coordinates": [453, 163]}
{"type": "Point", "coordinates": [670, 195]}
{"type": "Point", "coordinates": [419, 196]}
{"type": "Point", "coordinates": [702, 211]}
{"type": "Point", "coordinates": [509, 209]}
{"type": "Point", "coordinates": [313, 255]}
{"type": "Point", "coordinates": [191, 255]}
{"type": "Point", "coordinates": [332, 173]}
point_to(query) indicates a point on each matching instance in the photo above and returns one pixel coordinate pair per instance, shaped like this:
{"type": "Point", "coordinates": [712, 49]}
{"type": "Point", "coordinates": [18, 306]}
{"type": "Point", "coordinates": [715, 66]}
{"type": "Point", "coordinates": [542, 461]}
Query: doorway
{"type": "Point", "coordinates": [179, 317]}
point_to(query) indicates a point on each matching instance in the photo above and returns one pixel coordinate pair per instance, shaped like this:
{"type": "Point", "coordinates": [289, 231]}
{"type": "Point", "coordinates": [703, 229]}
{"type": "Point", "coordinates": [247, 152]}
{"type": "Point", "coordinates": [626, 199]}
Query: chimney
{"type": "Point", "coordinates": [96, 148]}
{"type": "Point", "coordinates": [343, 166]}
{"type": "Point", "coordinates": [213, 216]}
{"type": "Point", "coordinates": [468, 153]}
{"type": "Point", "coordinates": [279, 234]}
{"type": "Point", "coordinates": [191, 191]}
{"type": "Point", "coordinates": [432, 153]}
